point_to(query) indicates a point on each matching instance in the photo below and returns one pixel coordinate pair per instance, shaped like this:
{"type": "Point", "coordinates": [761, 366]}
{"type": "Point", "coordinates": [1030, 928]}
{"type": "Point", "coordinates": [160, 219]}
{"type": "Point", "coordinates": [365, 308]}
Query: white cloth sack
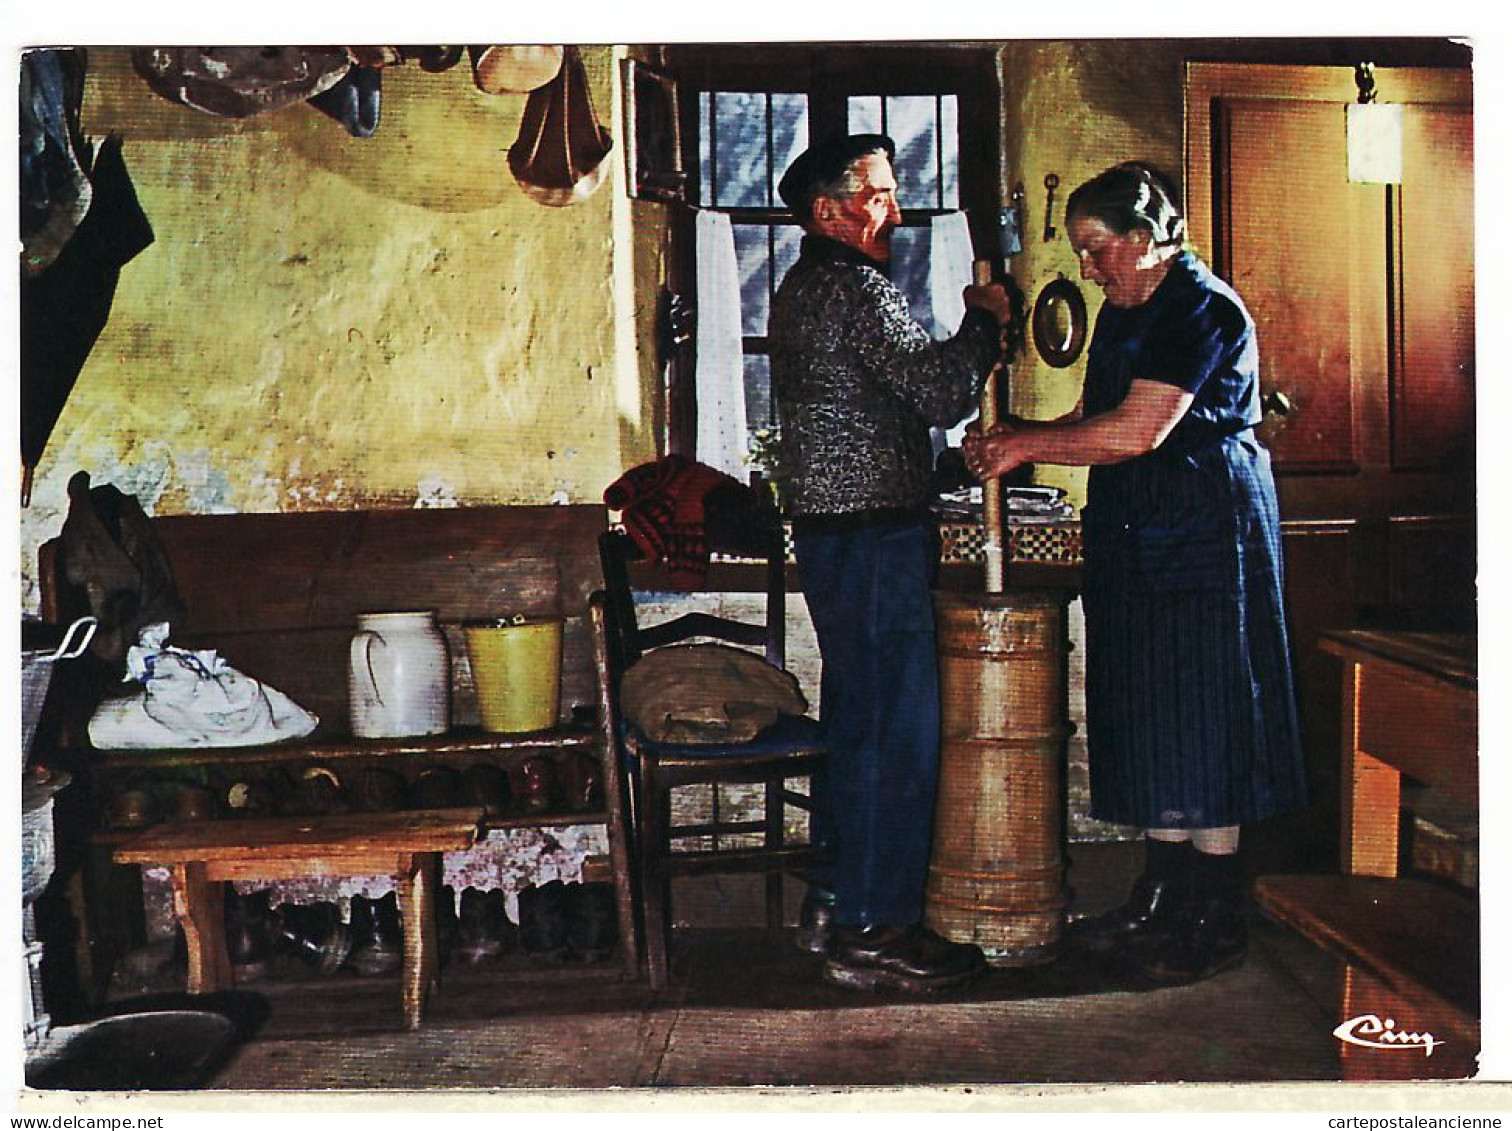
{"type": "Point", "coordinates": [192, 699]}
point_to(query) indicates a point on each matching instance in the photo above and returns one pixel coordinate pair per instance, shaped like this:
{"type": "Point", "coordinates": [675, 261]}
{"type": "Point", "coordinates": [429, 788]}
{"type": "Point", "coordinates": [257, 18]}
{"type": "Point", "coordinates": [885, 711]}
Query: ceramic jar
{"type": "Point", "coordinates": [399, 679]}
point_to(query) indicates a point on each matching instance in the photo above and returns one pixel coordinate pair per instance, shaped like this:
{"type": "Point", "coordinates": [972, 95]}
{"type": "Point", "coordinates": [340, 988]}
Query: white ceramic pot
{"type": "Point", "coordinates": [399, 679]}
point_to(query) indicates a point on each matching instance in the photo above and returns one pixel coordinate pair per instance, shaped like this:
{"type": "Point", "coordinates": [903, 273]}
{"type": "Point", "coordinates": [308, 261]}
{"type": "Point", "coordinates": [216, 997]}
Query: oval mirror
{"type": "Point", "coordinates": [1060, 323]}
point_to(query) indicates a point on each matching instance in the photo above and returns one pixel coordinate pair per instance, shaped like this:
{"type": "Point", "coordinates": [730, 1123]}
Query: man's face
{"type": "Point", "coordinates": [866, 218]}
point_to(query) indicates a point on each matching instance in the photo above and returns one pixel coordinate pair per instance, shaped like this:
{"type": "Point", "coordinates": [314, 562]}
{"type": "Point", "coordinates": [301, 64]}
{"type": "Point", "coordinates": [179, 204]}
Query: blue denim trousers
{"type": "Point", "coordinates": [869, 595]}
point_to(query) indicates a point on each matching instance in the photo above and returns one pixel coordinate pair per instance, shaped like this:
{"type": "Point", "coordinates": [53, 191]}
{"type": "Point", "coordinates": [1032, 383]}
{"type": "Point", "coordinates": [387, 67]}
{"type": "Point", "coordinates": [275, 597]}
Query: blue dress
{"type": "Point", "coordinates": [1191, 714]}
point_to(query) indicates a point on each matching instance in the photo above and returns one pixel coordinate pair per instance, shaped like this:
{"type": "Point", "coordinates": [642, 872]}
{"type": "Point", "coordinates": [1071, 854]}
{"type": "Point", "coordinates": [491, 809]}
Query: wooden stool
{"type": "Point", "coordinates": [205, 854]}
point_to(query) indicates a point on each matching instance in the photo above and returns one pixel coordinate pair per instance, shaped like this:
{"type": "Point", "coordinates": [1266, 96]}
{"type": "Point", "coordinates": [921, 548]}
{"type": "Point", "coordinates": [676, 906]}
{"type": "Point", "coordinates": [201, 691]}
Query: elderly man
{"type": "Point", "coordinates": [858, 384]}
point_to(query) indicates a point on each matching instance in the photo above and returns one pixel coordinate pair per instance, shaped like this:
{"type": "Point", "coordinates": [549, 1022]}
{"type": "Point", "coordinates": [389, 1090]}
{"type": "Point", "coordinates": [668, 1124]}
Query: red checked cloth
{"type": "Point", "coordinates": [662, 506]}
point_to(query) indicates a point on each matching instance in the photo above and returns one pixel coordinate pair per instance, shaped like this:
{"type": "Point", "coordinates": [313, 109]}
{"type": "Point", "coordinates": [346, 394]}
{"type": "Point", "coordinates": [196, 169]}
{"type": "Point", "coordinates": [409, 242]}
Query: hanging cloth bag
{"type": "Point", "coordinates": [559, 156]}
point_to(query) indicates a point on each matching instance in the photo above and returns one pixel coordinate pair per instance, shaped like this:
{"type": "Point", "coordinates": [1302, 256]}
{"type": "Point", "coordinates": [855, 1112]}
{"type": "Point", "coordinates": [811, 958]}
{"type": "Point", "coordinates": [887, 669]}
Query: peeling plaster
{"type": "Point", "coordinates": [435, 494]}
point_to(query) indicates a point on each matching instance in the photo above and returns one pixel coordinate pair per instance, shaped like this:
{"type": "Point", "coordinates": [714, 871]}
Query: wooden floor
{"type": "Point", "coordinates": [747, 1008]}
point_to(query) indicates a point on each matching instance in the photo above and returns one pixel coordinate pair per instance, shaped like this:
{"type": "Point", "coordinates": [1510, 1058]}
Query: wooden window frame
{"type": "Point", "coordinates": [829, 75]}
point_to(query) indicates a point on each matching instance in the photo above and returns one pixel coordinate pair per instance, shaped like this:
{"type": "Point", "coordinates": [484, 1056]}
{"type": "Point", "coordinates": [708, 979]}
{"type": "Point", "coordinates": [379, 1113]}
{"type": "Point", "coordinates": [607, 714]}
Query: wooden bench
{"type": "Point", "coordinates": [407, 846]}
{"type": "Point", "coordinates": [278, 596]}
{"type": "Point", "coordinates": [1411, 946]}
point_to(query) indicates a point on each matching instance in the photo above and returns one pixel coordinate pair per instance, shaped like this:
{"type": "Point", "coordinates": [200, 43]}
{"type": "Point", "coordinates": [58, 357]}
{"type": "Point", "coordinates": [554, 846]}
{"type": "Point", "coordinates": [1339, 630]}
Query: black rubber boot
{"type": "Point", "coordinates": [1212, 935]}
{"type": "Point", "coordinates": [1154, 907]}
{"type": "Point", "coordinates": [816, 921]}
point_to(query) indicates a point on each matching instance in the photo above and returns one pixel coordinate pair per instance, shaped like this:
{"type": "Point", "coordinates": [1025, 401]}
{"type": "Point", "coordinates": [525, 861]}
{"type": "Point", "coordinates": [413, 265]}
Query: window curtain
{"type": "Point", "coordinates": [949, 270]}
{"type": "Point", "coordinates": [720, 377]}
{"type": "Point", "coordinates": [950, 257]}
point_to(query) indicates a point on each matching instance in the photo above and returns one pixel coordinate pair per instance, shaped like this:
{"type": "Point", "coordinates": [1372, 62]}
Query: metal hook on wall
{"type": "Point", "coordinates": [1011, 224]}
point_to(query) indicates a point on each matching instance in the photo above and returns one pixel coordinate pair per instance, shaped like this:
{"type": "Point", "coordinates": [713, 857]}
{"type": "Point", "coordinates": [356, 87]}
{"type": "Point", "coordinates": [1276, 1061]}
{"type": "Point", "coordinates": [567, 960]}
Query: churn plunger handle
{"type": "Point", "coordinates": [992, 495]}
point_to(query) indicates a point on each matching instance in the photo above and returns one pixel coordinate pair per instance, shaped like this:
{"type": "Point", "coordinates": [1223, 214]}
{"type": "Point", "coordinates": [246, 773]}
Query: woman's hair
{"type": "Point", "coordinates": [1128, 196]}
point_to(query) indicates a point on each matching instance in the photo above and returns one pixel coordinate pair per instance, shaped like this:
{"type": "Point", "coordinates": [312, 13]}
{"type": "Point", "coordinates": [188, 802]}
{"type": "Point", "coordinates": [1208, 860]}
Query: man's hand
{"type": "Point", "coordinates": [994, 454]}
{"type": "Point", "coordinates": [991, 297]}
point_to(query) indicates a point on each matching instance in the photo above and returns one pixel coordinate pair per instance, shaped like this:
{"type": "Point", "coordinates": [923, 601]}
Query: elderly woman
{"type": "Point", "coordinates": [1191, 720]}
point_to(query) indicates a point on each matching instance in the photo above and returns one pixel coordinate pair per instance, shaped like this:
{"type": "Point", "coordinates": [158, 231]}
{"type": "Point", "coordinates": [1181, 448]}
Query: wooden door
{"type": "Point", "coordinates": [1363, 298]}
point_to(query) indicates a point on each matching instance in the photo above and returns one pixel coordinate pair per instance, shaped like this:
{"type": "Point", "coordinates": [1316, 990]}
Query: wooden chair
{"type": "Point", "coordinates": [785, 752]}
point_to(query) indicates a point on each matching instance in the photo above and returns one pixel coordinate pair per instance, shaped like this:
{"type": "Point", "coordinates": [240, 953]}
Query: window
{"type": "Point", "coordinates": [754, 117]}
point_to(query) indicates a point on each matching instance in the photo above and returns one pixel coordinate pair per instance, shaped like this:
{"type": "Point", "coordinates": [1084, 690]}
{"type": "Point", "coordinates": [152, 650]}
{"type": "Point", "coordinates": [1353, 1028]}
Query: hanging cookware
{"type": "Point", "coordinates": [559, 157]}
{"type": "Point", "coordinates": [515, 68]}
{"type": "Point", "coordinates": [238, 82]}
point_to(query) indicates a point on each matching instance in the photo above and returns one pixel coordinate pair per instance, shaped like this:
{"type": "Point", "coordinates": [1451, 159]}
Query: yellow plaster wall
{"type": "Point", "coordinates": [326, 321]}
{"type": "Point", "coordinates": [1073, 109]}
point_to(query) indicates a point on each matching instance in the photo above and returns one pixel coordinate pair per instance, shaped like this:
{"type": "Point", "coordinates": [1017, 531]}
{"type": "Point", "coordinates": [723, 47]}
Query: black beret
{"type": "Point", "coordinates": [823, 163]}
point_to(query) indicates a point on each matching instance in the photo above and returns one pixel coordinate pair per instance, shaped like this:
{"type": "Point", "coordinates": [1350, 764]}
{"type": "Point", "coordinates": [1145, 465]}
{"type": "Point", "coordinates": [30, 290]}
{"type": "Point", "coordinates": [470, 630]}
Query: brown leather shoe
{"type": "Point", "coordinates": [913, 959]}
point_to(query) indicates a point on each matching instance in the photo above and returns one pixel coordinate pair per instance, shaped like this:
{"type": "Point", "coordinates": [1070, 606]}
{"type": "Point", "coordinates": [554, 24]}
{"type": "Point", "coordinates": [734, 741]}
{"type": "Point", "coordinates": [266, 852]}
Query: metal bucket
{"type": "Point", "coordinates": [36, 676]}
{"type": "Point", "coordinates": [172, 1050]}
{"type": "Point", "coordinates": [997, 872]}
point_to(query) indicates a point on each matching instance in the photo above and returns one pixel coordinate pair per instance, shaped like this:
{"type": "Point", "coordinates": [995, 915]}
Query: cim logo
{"type": "Point", "coordinates": [1370, 1032]}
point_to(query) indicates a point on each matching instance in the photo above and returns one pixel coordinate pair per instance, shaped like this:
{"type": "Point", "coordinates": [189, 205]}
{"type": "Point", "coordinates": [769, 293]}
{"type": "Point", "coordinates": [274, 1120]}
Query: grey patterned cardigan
{"type": "Point", "coordinates": [858, 383]}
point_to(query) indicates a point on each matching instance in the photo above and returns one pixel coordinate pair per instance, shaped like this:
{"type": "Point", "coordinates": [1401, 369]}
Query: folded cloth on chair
{"type": "Point", "coordinates": [662, 507]}
{"type": "Point", "coordinates": [707, 693]}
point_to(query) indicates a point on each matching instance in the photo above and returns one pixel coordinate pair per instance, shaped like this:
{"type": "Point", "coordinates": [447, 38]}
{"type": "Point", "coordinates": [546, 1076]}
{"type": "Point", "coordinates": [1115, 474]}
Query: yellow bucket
{"type": "Point", "coordinates": [517, 670]}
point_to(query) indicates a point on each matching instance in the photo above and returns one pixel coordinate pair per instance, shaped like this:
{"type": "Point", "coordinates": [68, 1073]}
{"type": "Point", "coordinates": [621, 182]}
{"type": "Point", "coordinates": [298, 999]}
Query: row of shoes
{"type": "Point", "coordinates": [560, 923]}
{"type": "Point", "coordinates": [571, 781]}
{"type": "Point", "coordinates": [257, 934]}
{"type": "Point", "coordinates": [564, 923]}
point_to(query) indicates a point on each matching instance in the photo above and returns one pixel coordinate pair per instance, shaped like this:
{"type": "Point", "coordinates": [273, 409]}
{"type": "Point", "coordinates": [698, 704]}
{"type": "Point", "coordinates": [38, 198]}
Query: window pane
{"type": "Point", "coordinates": [911, 122]}
{"type": "Point", "coordinates": [910, 273]}
{"type": "Point", "coordinates": [950, 153]}
{"type": "Point", "coordinates": [925, 129]}
{"type": "Point", "coordinates": [740, 152]}
{"type": "Point", "coordinates": [758, 391]}
{"type": "Point", "coordinates": [752, 263]}
{"type": "Point", "coordinates": [864, 114]}
{"type": "Point", "coordinates": [790, 133]}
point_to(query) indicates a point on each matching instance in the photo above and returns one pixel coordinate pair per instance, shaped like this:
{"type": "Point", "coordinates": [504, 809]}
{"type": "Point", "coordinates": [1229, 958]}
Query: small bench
{"type": "Point", "coordinates": [1412, 956]}
{"type": "Point", "coordinates": [1411, 947]}
{"type": "Point", "coordinates": [205, 854]}
{"type": "Point", "coordinates": [278, 597]}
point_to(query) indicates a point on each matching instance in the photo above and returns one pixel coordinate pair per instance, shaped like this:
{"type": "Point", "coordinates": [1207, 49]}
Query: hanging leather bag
{"type": "Point", "coordinates": [559, 157]}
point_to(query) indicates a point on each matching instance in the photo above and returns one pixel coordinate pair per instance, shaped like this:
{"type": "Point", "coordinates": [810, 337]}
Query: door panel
{"type": "Point", "coordinates": [1433, 396]}
{"type": "Point", "coordinates": [1431, 559]}
{"type": "Point", "coordinates": [1282, 204]}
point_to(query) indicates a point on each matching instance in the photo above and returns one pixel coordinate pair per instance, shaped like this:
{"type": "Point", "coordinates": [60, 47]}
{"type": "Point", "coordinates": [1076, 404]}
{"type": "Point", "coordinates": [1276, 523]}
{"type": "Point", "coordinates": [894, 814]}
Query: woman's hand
{"type": "Point", "coordinates": [994, 454]}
